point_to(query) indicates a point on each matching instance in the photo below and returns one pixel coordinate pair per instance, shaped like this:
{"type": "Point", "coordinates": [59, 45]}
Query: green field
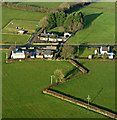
{"type": "Point", "coordinates": [19, 39]}
{"type": "Point", "coordinates": [22, 84]}
{"type": "Point", "coordinates": [28, 26]}
{"type": "Point", "coordinates": [99, 83]}
{"type": "Point", "coordinates": [43, 4]}
{"type": "Point", "coordinates": [9, 13]}
{"type": "Point", "coordinates": [99, 26]}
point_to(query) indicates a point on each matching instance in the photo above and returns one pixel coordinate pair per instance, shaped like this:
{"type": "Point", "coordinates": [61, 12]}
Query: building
{"type": "Point", "coordinates": [21, 32]}
{"type": "Point", "coordinates": [52, 37]}
{"type": "Point", "coordinates": [39, 54]}
{"type": "Point", "coordinates": [17, 54]}
{"type": "Point", "coordinates": [48, 54]}
{"type": "Point", "coordinates": [104, 50]}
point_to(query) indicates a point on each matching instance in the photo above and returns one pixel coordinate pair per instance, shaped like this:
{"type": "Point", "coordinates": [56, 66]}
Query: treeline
{"type": "Point", "coordinates": [26, 7]}
{"type": "Point", "coordinates": [71, 23]}
{"type": "Point", "coordinates": [65, 7]}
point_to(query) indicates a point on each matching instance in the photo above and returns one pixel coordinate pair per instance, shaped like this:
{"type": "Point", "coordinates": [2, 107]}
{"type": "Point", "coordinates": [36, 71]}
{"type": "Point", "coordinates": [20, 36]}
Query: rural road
{"type": "Point", "coordinates": [29, 45]}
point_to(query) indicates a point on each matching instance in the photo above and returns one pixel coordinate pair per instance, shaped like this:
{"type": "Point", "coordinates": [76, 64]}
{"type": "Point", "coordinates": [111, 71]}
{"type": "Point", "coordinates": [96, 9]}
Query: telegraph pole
{"type": "Point", "coordinates": [51, 79]}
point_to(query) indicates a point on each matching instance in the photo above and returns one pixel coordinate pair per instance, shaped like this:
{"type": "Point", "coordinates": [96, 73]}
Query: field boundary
{"type": "Point", "coordinates": [68, 98]}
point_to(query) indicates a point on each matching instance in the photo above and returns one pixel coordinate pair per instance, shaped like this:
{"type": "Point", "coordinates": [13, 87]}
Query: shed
{"type": "Point", "coordinates": [21, 32]}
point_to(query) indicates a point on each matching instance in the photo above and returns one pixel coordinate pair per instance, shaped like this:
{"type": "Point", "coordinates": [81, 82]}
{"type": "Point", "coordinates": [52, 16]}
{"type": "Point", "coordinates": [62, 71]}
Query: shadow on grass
{"type": "Point", "coordinates": [99, 92]}
{"type": "Point", "coordinates": [101, 107]}
{"type": "Point", "coordinates": [81, 65]}
{"type": "Point", "coordinates": [90, 18]}
{"type": "Point", "coordinates": [70, 72]}
{"type": "Point", "coordinates": [82, 49]}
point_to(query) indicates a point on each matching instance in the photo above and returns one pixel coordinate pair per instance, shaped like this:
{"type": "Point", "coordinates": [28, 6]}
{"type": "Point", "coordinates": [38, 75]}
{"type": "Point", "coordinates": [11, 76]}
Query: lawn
{"type": "Point", "coordinates": [22, 84]}
{"type": "Point", "coordinates": [19, 39]}
{"type": "Point", "coordinates": [43, 4]}
{"type": "Point", "coordinates": [85, 52]}
{"type": "Point", "coordinates": [10, 13]}
{"type": "Point", "coordinates": [28, 26]}
{"type": "Point", "coordinates": [99, 83]}
{"type": "Point", "coordinates": [99, 26]}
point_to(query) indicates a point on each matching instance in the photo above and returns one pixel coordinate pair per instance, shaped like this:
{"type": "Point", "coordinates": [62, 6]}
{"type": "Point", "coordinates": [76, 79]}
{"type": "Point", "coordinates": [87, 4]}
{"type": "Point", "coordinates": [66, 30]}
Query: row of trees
{"type": "Point", "coordinates": [71, 23]}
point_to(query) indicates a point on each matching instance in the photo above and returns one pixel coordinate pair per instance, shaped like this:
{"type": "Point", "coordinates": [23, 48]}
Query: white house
{"type": "Point", "coordinates": [110, 55]}
{"type": "Point", "coordinates": [17, 54]}
{"type": "Point", "coordinates": [104, 50]}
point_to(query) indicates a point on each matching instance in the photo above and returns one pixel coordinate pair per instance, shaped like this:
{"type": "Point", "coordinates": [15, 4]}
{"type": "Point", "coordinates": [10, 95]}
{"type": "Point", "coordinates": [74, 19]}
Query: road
{"type": "Point", "coordinates": [29, 45]}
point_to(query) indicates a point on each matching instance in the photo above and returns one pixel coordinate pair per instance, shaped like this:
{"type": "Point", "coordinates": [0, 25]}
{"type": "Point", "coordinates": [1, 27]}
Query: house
{"type": "Point", "coordinates": [17, 54]}
{"type": "Point", "coordinates": [90, 56]}
{"type": "Point", "coordinates": [50, 48]}
{"type": "Point", "coordinates": [39, 54]}
{"type": "Point", "coordinates": [32, 54]}
{"type": "Point", "coordinates": [104, 50]}
{"type": "Point", "coordinates": [48, 54]}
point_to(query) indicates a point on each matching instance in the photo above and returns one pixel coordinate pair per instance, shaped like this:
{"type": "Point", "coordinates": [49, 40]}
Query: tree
{"type": "Point", "coordinates": [58, 75]}
{"type": "Point", "coordinates": [67, 51]}
{"type": "Point", "coordinates": [74, 22]}
{"type": "Point", "coordinates": [52, 21]}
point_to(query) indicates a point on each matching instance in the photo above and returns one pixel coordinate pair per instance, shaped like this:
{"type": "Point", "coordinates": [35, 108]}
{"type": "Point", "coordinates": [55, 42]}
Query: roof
{"type": "Point", "coordinates": [47, 52]}
{"type": "Point", "coordinates": [105, 48]}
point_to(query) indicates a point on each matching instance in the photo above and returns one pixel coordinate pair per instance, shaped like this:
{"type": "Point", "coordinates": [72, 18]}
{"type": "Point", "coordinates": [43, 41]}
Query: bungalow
{"type": "Point", "coordinates": [17, 54]}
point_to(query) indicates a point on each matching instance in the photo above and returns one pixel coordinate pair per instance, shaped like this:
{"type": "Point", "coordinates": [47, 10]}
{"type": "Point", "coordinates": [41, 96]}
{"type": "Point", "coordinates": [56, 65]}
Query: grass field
{"type": "Point", "coordinates": [29, 26]}
{"type": "Point", "coordinates": [43, 4]}
{"type": "Point", "coordinates": [99, 26]}
{"type": "Point", "coordinates": [22, 84]}
{"type": "Point", "coordinates": [19, 39]}
{"type": "Point", "coordinates": [99, 83]}
{"type": "Point", "coordinates": [9, 13]}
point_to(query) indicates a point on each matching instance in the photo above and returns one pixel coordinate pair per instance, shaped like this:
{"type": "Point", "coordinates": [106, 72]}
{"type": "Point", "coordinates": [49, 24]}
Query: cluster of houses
{"type": "Point", "coordinates": [32, 52]}
{"type": "Point", "coordinates": [103, 50]}
{"type": "Point", "coordinates": [52, 37]}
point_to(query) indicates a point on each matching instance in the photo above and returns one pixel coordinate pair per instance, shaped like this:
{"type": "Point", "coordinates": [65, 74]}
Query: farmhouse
{"type": "Point", "coordinates": [106, 50]}
{"type": "Point", "coordinates": [17, 54]}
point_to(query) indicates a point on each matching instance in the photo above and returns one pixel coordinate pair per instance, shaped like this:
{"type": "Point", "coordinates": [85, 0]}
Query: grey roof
{"type": "Point", "coordinates": [105, 49]}
{"type": "Point", "coordinates": [47, 52]}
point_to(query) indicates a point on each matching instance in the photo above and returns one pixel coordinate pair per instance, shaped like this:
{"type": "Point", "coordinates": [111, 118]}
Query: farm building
{"type": "Point", "coordinates": [17, 54]}
{"type": "Point", "coordinates": [21, 32]}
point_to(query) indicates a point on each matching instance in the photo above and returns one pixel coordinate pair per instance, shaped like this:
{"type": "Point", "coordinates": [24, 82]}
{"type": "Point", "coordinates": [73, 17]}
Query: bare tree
{"type": "Point", "coordinates": [67, 51]}
{"type": "Point", "coordinates": [58, 75]}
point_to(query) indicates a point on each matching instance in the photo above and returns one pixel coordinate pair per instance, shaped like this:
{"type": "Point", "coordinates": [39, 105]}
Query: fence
{"type": "Point", "coordinates": [79, 102]}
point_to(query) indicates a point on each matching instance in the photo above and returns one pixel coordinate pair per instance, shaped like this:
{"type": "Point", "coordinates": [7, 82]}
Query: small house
{"type": "Point", "coordinates": [90, 57]}
{"type": "Point", "coordinates": [17, 54]}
